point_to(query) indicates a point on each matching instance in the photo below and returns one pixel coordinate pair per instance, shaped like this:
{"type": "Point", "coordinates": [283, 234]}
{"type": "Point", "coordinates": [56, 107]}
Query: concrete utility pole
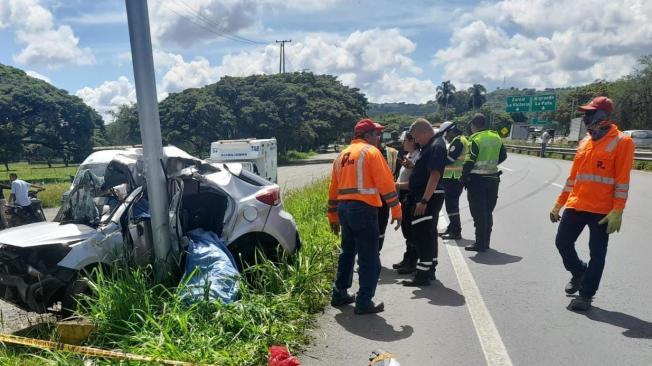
{"type": "Point", "coordinates": [150, 134]}
{"type": "Point", "coordinates": [281, 59]}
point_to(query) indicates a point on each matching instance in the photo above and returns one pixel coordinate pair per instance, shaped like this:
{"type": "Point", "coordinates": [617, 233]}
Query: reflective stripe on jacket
{"type": "Point", "coordinates": [599, 179]}
{"type": "Point", "coordinates": [360, 173]}
{"type": "Point", "coordinates": [454, 170]}
{"type": "Point", "coordinates": [489, 144]}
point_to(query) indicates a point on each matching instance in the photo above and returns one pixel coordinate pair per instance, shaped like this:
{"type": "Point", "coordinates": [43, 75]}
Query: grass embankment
{"type": "Point", "coordinates": [293, 155]}
{"type": "Point", "coordinates": [134, 315]}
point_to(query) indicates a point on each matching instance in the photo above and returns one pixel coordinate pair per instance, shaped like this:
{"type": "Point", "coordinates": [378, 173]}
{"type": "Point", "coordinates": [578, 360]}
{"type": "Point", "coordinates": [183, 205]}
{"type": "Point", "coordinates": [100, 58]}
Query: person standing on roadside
{"type": "Point", "coordinates": [458, 146]}
{"type": "Point", "coordinates": [411, 148]}
{"type": "Point", "coordinates": [391, 157]}
{"type": "Point", "coordinates": [595, 195]}
{"type": "Point", "coordinates": [360, 178]}
{"type": "Point", "coordinates": [481, 177]}
{"type": "Point", "coordinates": [545, 139]}
{"type": "Point", "coordinates": [425, 199]}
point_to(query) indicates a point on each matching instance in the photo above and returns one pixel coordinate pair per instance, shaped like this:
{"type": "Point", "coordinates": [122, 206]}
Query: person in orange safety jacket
{"type": "Point", "coordinates": [595, 195]}
{"type": "Point", "coordinates": [360, 178]}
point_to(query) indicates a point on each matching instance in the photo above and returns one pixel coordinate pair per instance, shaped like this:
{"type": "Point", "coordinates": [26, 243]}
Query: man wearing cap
{"type": "Point", "coordinates": [425, 199]}
{"type": "Point", "coordinates": [360, 179]}
{"type": "Point", "coordinates": [595, 195]}
{"type": "Point", "coordinates": [458, 146]}
{"type": "Point", "coordinates": [481, 177]}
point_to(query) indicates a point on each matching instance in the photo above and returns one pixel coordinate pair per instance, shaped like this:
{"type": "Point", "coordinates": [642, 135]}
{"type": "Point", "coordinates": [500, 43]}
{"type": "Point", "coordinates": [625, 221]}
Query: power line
{"type": "Point", "coordinates": [218, 33]}
{"type": "Point", "coordinates": [197, 14]}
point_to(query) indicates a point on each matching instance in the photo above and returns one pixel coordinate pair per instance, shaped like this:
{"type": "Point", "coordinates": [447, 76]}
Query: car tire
{"type": "Point", "coordinates": [74, 291]}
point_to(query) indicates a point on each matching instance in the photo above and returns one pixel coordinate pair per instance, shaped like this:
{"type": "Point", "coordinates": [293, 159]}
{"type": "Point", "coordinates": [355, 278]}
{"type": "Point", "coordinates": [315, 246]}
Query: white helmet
{"type": "Point", "coordinates": [445, 126]}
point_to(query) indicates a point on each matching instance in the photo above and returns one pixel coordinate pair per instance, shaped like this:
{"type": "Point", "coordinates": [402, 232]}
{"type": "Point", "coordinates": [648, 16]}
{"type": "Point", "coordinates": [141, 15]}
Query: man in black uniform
{"type": "Point", "coordinates": [481, 177]}
{"type": "Point", "coordinates": [425, 199]}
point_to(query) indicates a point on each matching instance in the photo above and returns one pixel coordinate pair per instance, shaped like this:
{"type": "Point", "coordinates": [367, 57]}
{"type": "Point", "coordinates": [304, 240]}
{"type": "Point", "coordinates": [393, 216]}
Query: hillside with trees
{"type": "Point", "coordinates": [302, 110]}
{"type": "Point", "coordinates": [631, 94]}
{"type": "Point", "coordinates": [39, 121]}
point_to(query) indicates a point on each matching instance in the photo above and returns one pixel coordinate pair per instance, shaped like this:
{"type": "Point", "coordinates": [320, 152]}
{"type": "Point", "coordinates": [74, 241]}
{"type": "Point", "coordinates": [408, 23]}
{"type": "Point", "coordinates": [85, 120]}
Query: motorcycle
{"type": "Point", "coordinates": [16, 215]}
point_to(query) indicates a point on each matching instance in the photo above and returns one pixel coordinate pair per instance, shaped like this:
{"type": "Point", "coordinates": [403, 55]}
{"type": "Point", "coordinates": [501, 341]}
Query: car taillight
{"type": "Point", "coordinates": [270, 196]}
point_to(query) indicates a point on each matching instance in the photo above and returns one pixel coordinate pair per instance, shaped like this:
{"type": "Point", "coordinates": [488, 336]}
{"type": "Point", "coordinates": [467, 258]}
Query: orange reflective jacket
{"type": "Point", "coordinates": [599, 179]}
{"type": "Point", "coordinates": [360, 173]}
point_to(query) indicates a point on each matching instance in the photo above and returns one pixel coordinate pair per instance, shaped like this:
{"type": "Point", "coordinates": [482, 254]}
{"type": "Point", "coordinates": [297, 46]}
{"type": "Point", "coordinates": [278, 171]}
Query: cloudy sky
{"type": "Point", "coordinates": [392, 50]}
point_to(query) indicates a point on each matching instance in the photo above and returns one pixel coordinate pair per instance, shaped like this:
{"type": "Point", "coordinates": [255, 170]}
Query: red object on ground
{"type": "Point", "coordinates": [280, 356]}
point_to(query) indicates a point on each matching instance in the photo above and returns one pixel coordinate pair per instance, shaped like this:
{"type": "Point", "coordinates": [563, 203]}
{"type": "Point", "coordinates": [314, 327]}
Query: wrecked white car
{"type": "Point", "coordinates": [104, 220]}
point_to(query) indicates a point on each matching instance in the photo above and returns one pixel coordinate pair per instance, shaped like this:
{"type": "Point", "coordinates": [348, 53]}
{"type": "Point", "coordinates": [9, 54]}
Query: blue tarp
{"type": "Point", "coordinates": [212, 267]}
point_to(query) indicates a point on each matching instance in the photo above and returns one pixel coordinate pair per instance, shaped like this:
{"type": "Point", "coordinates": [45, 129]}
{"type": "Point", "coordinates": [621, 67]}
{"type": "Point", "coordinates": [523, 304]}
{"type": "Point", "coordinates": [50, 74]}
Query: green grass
{"type": "Point", "coordinates": [39, 173]}
{"type": "Point", "coordinates": [51, 196]}
{"type": "Point", "coordinates": [293, 155]}
{"type": "Point", "coordinates": [278, 306]}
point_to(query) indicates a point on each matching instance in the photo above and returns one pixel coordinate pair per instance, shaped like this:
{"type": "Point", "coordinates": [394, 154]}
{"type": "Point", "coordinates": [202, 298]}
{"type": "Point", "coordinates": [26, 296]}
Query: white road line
{"type": "Point", "coordinates": [492, 344]}
{"type": "Point", "coordinates": [555, 184]}
{"type": "Point", "coordinates": [506, 168]}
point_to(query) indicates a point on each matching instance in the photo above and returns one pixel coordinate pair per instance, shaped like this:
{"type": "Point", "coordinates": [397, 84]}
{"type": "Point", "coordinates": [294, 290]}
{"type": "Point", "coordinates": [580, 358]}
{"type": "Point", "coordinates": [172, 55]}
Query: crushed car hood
{"type": "Point", "coordinates": [45, 233]}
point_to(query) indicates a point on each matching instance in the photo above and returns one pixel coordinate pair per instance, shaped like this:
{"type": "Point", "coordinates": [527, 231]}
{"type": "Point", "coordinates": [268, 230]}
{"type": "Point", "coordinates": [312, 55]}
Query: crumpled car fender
{"type": "Point", "coordinates": [101, 248]}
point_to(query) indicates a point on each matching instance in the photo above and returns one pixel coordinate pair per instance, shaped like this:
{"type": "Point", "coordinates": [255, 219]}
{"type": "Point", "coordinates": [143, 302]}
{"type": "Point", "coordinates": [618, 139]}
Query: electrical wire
{"type": "Point", "coordinates": [222, 34]}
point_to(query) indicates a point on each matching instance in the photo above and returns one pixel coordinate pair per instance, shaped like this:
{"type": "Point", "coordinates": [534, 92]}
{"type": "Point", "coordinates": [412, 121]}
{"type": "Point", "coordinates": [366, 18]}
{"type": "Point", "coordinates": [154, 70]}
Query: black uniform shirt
{"type": "Point", "coordinates": [433, 158]}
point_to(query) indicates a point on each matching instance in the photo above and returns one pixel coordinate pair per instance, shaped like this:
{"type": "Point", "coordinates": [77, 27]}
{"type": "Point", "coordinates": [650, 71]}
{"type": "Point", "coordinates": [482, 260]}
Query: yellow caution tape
{"type": "Point", "coordinates": [87, 351]}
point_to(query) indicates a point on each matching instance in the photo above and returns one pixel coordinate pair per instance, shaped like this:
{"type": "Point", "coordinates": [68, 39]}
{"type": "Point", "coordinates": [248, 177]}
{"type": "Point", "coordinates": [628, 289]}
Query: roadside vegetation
{"type": "Point", "coordinates": [276, 307]}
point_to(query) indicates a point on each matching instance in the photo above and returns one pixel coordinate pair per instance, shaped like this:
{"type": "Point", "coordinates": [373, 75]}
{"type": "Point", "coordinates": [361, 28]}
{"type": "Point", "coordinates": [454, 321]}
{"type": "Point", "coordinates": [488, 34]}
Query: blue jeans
{"type": "Point", "coordinates": [571, 226]}
{"type": "Point", "coordinates": [359, 228]}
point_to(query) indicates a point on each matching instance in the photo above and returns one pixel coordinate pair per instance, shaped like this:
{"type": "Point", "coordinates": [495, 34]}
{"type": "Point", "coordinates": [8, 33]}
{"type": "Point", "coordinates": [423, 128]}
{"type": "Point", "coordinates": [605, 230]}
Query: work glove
{"type": "Point", "coordinates": [613, 221]}
{"type": "Point", "coordinates": [554, 213]}
{"type": "Point", "coordinates": [398, 222]}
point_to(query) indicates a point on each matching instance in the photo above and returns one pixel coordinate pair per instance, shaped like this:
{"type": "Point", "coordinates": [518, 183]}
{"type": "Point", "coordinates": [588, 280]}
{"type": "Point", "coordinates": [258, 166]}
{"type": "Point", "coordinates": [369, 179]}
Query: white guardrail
{"type": "Point", "coordinates": [564, 152]}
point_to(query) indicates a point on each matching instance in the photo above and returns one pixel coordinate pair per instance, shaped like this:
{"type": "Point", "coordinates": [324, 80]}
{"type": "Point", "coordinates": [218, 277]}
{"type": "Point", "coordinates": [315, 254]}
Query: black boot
{"type": "Point", "coordinates": [372, 308]}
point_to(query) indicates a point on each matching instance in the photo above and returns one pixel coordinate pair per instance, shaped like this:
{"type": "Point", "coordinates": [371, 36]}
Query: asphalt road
{"type": "Point", "coordinates": [289, 178]}
{"type": "Point", "coordinates": [507, 306]}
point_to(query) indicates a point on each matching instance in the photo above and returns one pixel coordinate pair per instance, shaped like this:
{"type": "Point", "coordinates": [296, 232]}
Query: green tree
{"type": "Point", "coordinates": [445, 94]}
{"type": "Point", "coordinates": [40, 114]}
{"type": "Point", "coordinates": [478, 96]}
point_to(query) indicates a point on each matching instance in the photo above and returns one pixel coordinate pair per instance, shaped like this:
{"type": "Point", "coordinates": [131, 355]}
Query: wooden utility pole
{"type": "Point", "coordinates": [281, 59]}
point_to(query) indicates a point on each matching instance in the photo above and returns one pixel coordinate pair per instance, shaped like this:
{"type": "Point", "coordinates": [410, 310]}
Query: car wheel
{"type": "Point", "coordinates": [76, 291]}
{"type": "Point", "coordinates": [247, 249]}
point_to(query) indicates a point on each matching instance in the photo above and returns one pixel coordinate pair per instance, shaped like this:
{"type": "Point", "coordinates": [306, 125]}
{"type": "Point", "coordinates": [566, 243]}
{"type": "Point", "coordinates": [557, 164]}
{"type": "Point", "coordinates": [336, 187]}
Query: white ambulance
{"type": "Point", "coordinates": [258, 156]}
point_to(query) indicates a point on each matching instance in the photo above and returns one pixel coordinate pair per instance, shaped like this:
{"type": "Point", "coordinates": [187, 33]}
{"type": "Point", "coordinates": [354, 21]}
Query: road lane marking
{"type": "Point", "coordinates": [506, 168]}
{"type": "Point", "coordinates": [492, 344]}
{"type": "Point", "coordinates": [554, 184]}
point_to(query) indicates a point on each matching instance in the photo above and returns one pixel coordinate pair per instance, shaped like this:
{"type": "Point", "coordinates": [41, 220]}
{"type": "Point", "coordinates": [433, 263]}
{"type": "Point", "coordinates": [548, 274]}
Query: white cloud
{"type": "Point", "coordinates": [109, 96]}
{"type": "Point", "coordinates": [45, 44]}
{"type": "Point", "coordinates": [543, 43]}
{"type": "Point", "coordinates": [377, 61]}
{"type": "Point", "coordinates": [35, 74]}
{"type": "Point", "coordinates": [183, 75]}
{"type": "Point", "coordinates": [189, 22]}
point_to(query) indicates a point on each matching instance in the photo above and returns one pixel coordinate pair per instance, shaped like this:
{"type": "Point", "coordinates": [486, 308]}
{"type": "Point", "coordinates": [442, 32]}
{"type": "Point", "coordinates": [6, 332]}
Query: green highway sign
{"type": "Point", "coordinates": [536, 121]}
{"type": "Point", "coordinates": [544, 103]}
{"type": "Point", "coordinates": [517, 104]}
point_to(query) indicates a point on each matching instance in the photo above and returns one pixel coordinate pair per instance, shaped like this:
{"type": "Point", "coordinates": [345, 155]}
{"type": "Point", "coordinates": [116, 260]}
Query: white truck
{"type": "Point", "coordinates": [258, 156]}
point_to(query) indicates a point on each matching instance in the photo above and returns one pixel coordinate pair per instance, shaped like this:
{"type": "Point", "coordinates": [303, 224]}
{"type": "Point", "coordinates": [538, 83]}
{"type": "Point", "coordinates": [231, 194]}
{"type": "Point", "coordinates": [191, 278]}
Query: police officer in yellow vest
{"type": "Point", "coordinates": [481, 177]}
{"type": "Point", "coordinates": [457, 148]}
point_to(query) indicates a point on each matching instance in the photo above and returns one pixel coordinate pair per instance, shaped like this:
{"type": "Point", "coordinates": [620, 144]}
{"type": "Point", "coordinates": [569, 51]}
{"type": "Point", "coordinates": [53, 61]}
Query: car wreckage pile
{"type": "Point", "coordinates": [220, 215]}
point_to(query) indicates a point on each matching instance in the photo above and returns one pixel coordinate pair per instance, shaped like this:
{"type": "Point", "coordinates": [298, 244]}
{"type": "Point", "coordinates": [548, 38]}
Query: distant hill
{"type": "Point", "coordinates": [416, 110]}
